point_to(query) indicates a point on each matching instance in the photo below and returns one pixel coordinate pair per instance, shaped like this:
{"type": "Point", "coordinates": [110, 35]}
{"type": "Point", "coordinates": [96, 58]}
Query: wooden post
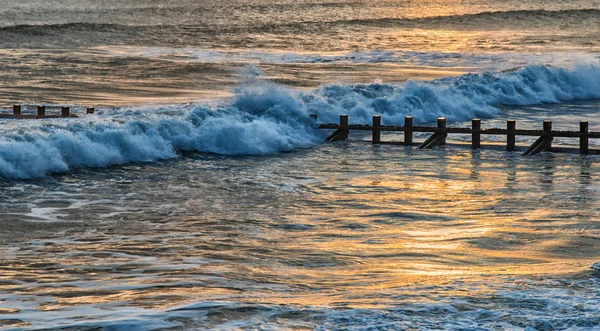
{"type": "Point", "coordinates": [344, 120]}
{"type": "Point", "coordinates": [344, 126]}
{"type": "Point", "coordinates": [476, 133]}
{"type": "Point", "coordinates": [584, 147]}
{"type": "Point", "coordinates": [548, 135]}
{"type": "Point", "coordinates": [511, 126]}
{"type": "Point", "coordinates": [438, 138]}
{"type": "Point", "coordinates": [41, 111]}
{"type": "Point", "coordinates": [408, 133]}
{"type": "Point", "coordinates": [17, 110]}
{"type": "Point", "coordinates": [89, 111]}
{"type": "Point", "coordinates": [441, 125]}
{"type": "Point", "coordinates": [65, 111]}
{"type": "Point", "coordinates": [313, 117]}
{"type": "Point", "coordinates": [376, 129]}
{"type": "Point", "coordinates": [342, 132]}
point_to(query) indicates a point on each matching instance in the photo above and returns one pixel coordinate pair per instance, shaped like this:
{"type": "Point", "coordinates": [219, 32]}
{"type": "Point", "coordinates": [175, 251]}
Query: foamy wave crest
{"type": "Point", "coordinates": [268, 119]}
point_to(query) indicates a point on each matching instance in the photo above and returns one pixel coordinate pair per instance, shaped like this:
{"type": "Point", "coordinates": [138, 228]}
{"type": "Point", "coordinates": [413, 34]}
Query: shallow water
{"type": "Point", "coordinates": [342, 236]}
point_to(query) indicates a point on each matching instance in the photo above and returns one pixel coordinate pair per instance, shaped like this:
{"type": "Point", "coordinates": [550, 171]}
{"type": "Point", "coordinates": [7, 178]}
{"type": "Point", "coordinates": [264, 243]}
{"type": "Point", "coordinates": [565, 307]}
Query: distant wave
{"type": "Point", "coordinates": [266, 119]}
{"type": "Point", "coordinates": [519, 16]}
{"type": "Point", "coordinates": [524, 16]}
{"type": "Point", "coordinates": [45, 29]}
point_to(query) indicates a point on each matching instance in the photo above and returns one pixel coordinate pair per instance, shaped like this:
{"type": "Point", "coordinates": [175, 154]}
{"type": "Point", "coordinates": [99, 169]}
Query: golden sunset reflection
{"type": "Point", "coordinates": [345, 235]}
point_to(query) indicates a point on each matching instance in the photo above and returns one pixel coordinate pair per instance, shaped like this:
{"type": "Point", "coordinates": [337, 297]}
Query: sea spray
{"type": "Point", "coordinates": [264, 118]}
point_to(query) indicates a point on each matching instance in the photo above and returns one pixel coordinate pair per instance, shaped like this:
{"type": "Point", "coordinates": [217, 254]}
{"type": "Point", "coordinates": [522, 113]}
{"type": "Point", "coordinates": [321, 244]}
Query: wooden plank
{"type": "Point", "coordinates": [41, 111]}
{"type": "Point", "coordinates": [476, 133]}
{"type": "Point", "coordinates": [441, 125]}
{"type": "Point", "coordinates": [501, 147]}
{"type": "Point", "coordinates": [492, 131]}
{"type": "Point", "coordinates": [342, 132]}
{"type": "Point", "coordinates": [408, 132]}
{"type": "Point", "coordinates": [548, 135]}
{"type": "Point", "coordinates": [511, 126]}
{"type": "Point", "coordinates": [538, 146]}
{"type": "Point", "coordinates": [584, 145]}
{"type": "Point", "coordinates": [434, 140]}
{"type": "Point", "coordinates": [376, 129]}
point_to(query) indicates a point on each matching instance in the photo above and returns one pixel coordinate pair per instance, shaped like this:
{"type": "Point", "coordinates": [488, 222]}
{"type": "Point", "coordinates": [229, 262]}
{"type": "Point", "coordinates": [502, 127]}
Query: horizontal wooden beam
{"type": "Point", "coordinates": [496, 146]}
{"type": "Point", "coordinates": [492, 131]}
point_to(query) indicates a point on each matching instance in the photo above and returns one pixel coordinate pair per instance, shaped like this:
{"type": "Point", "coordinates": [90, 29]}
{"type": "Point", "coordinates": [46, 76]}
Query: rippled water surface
{"type": "Point", "coordinates": [124, 52]}
{"type": "Point", "coordinates": [200, 195]}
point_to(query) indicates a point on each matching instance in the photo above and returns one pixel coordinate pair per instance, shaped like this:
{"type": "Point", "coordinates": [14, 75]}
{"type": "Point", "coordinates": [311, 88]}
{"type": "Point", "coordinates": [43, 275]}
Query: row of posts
{"type": "Point", "coordinates": [41, 111]}
{"type": "Point", "coordinates": [511, 127]}
{"type": "Point", "coordinates": [408, 132]}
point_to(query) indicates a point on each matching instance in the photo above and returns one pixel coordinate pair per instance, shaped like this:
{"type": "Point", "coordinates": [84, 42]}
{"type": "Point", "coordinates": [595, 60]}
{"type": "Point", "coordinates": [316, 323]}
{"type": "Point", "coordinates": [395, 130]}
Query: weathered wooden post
{"type": "Point", "coordinates": [65, 112]}
{"type": "Point", "coordinates": [584, 147]}
{"type": "Point", "coordinates": [511, 127]}
{"type": "Point", "coordinates": [16, 110]}
{"type": "Point", "coordinates": [344, 125]}
{"type": "Point", "coordinates": [89, 111]}
{"type": "Point", "coordinates": [342, 132]}
{"type": "Point", "coordinates": [543, 143]}
{"type": "Point", "coordinates": [476, 133]}
{"type": "Point", "coordinates": [376, 129]}
{"type": "Point", "coordinates": [408, 130]}
{"type": "Point", "coordinates": [441, 125]}
{"type": "Point", "coordinates": [313, 117]}
{"type": "Point", "coordinates": [41, 111]}
{"type": "Point", "coordinates": [438, 138]}
{"type": "Point", "coordinates": [548, 135]}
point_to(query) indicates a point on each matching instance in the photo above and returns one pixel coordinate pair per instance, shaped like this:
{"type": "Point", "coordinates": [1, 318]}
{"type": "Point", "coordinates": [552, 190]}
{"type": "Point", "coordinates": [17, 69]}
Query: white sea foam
{"type": "Point", "coordinates": [265, 118]}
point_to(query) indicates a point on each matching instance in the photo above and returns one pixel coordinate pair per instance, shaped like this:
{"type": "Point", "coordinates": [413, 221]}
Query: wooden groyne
{"type": "Point", "coordinates": [440, 133]}
{"type": "Point", "coordinates": [65, 112]}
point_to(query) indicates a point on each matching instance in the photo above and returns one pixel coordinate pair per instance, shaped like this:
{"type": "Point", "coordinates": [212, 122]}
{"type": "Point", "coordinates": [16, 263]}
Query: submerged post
{"type": "Point", "coordinates": [17, 110]}
{"type": "Point", "coordinates": [408, 131]}
{"type": "Point", "coordinates": [511, 126]}
{"type": "Point", "coordinates": [441, 125]}
{"type": "Point", "coordinates": [376, 129]}
{"type": "Point", "coordinates": [41, 111]}
{"type": "Point", "coordinates": [548, 135]}
{"type": "Point", "coordinates": [476, 133]}
{"type": "Point", "coordinates": [89, 111]}
{"type": "Point", "coordinates": [65, 112]}
{"type": "Point", "coordinates": [584, 147]}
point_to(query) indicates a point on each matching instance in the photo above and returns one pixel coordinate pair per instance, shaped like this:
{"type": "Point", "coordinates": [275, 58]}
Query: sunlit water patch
{"type": "Point", "coordinates": [341, 236]}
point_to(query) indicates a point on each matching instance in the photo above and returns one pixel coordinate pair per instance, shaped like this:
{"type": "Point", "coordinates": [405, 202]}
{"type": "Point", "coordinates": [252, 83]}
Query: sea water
{"type": "Point", "coordinates": [201, 195]}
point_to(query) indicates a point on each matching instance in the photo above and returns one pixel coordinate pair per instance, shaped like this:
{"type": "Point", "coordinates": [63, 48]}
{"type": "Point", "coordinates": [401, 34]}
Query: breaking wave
{"type": "Point", "coordinates": [265, 118]}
